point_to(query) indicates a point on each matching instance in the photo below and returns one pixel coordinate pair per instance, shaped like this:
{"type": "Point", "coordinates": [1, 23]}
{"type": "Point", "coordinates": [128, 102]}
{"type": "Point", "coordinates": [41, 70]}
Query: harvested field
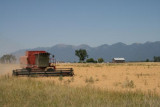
{"type": "Point", "coordinates": [118, 77]}
{"type": "Point", "coordinates": [94, 85]}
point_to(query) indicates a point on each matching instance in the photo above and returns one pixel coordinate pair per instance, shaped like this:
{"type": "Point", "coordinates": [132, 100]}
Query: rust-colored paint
{"type": "Point", "coordinates": [29, 59]}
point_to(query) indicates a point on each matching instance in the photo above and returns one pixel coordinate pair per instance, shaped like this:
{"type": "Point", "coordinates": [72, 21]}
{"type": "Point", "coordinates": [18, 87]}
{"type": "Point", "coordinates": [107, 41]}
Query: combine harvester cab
{"type": "Point", "coordinates": [37, 63]}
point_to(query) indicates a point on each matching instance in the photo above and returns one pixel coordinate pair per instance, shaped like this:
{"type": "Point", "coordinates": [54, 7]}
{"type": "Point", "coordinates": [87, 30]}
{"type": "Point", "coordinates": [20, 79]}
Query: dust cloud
{"type": "Point", "coordinates": [8, 68]}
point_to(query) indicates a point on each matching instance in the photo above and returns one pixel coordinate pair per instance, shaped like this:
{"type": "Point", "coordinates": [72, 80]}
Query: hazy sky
{"type": "Point", "coordinates": [42, 23]}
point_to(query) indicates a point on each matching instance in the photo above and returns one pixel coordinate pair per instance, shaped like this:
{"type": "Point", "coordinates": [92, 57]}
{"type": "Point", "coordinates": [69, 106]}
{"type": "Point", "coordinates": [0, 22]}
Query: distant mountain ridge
{"type": "Point", "coordinates": [133, 52]}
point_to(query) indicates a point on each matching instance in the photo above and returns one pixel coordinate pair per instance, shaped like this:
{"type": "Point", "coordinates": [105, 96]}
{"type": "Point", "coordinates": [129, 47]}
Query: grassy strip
{"type": "Point", "coordinates": [29, 92]}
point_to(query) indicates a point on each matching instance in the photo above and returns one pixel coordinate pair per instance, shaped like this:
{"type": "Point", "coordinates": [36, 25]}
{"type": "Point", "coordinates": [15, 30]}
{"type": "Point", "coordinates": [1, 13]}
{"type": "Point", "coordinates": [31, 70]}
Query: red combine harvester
{"type": "Point", "coordinates": [38, 63]}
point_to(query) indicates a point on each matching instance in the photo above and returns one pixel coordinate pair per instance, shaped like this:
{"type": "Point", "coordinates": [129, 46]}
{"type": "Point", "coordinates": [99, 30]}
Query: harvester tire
{"type": "Point", "coordinates": [50, 70]}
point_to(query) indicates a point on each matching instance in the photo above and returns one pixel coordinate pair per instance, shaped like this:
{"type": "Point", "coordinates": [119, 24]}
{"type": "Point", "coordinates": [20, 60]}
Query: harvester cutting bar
{"type": "Point", "coordinates": [57, 72]}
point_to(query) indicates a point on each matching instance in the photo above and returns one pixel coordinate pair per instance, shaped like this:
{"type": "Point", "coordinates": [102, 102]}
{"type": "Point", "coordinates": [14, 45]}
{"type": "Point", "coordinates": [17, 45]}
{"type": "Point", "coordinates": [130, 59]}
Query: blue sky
{"type": "Point", "coordinates": [43, 23]}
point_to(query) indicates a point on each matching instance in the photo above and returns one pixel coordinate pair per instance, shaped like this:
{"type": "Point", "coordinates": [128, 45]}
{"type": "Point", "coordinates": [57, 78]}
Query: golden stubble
{"type": "Point", "coordinates": [144, 76]}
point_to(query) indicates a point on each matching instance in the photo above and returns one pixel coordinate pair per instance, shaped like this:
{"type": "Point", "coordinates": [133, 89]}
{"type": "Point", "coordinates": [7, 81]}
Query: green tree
{"type": "Point", "coordinates": [8, 58]}
{"type": "Point", "coordinates": [100, 60]}
{"type": "Point", "coordinates": [82, 54]}
{"type": "Point", "coordinates": [156, 58]}
{"type": "Point", "coordinates": [147, 60]}
{"type": "Point", "coordinates": [91, 60]}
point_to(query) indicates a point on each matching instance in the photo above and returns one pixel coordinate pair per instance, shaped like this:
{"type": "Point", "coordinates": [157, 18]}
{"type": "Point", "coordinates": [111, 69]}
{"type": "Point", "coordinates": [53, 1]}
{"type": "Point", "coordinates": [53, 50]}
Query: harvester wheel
{"type": "Point", "coordinates": [50, 69]}
{"type": "Point", "coordinates": [29, 70]}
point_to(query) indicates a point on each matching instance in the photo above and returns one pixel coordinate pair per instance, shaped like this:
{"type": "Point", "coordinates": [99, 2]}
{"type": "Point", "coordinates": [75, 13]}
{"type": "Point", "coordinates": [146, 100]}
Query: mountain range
{"type": "Point", "coordinates": [133, 52]}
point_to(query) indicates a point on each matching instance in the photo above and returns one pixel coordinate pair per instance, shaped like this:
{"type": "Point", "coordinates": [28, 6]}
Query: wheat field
{"type": "Point", "coordinates": [93, 85]}
{"type": "Point", "coordinates": [117, 77]}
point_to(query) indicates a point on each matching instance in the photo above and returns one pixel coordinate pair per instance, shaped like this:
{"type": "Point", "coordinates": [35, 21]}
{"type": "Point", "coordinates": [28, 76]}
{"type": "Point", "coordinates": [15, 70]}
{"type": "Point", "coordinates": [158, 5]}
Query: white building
{"type": "Point", "coordinates": [118, 60]}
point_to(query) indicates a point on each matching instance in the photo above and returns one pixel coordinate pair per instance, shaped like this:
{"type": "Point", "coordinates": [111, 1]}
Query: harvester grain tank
{"type": "Point", "coordinates": [38, 63]}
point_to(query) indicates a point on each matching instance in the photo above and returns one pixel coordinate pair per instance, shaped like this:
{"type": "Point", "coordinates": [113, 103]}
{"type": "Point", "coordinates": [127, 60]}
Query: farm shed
{"type": "Point", "coordinates": [118, 60]}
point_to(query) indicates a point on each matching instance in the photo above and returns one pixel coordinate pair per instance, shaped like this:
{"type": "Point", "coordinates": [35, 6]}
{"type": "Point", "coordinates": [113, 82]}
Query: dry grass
{"type": "Point", "coordinates": [28, 92]}
{"type": "Point", "coordinates": [139, 82]}
{"type": "Point", "coordinates": [144, 76]}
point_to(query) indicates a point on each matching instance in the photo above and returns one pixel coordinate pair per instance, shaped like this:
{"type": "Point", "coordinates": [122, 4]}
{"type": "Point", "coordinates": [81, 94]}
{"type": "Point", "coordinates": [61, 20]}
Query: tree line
{"type": "Point", "coordinates": [155, 59]}
{"type": "Point", "coordinates": [8, 58]}
{"type": "Point", "coordinates": [82, 54]}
